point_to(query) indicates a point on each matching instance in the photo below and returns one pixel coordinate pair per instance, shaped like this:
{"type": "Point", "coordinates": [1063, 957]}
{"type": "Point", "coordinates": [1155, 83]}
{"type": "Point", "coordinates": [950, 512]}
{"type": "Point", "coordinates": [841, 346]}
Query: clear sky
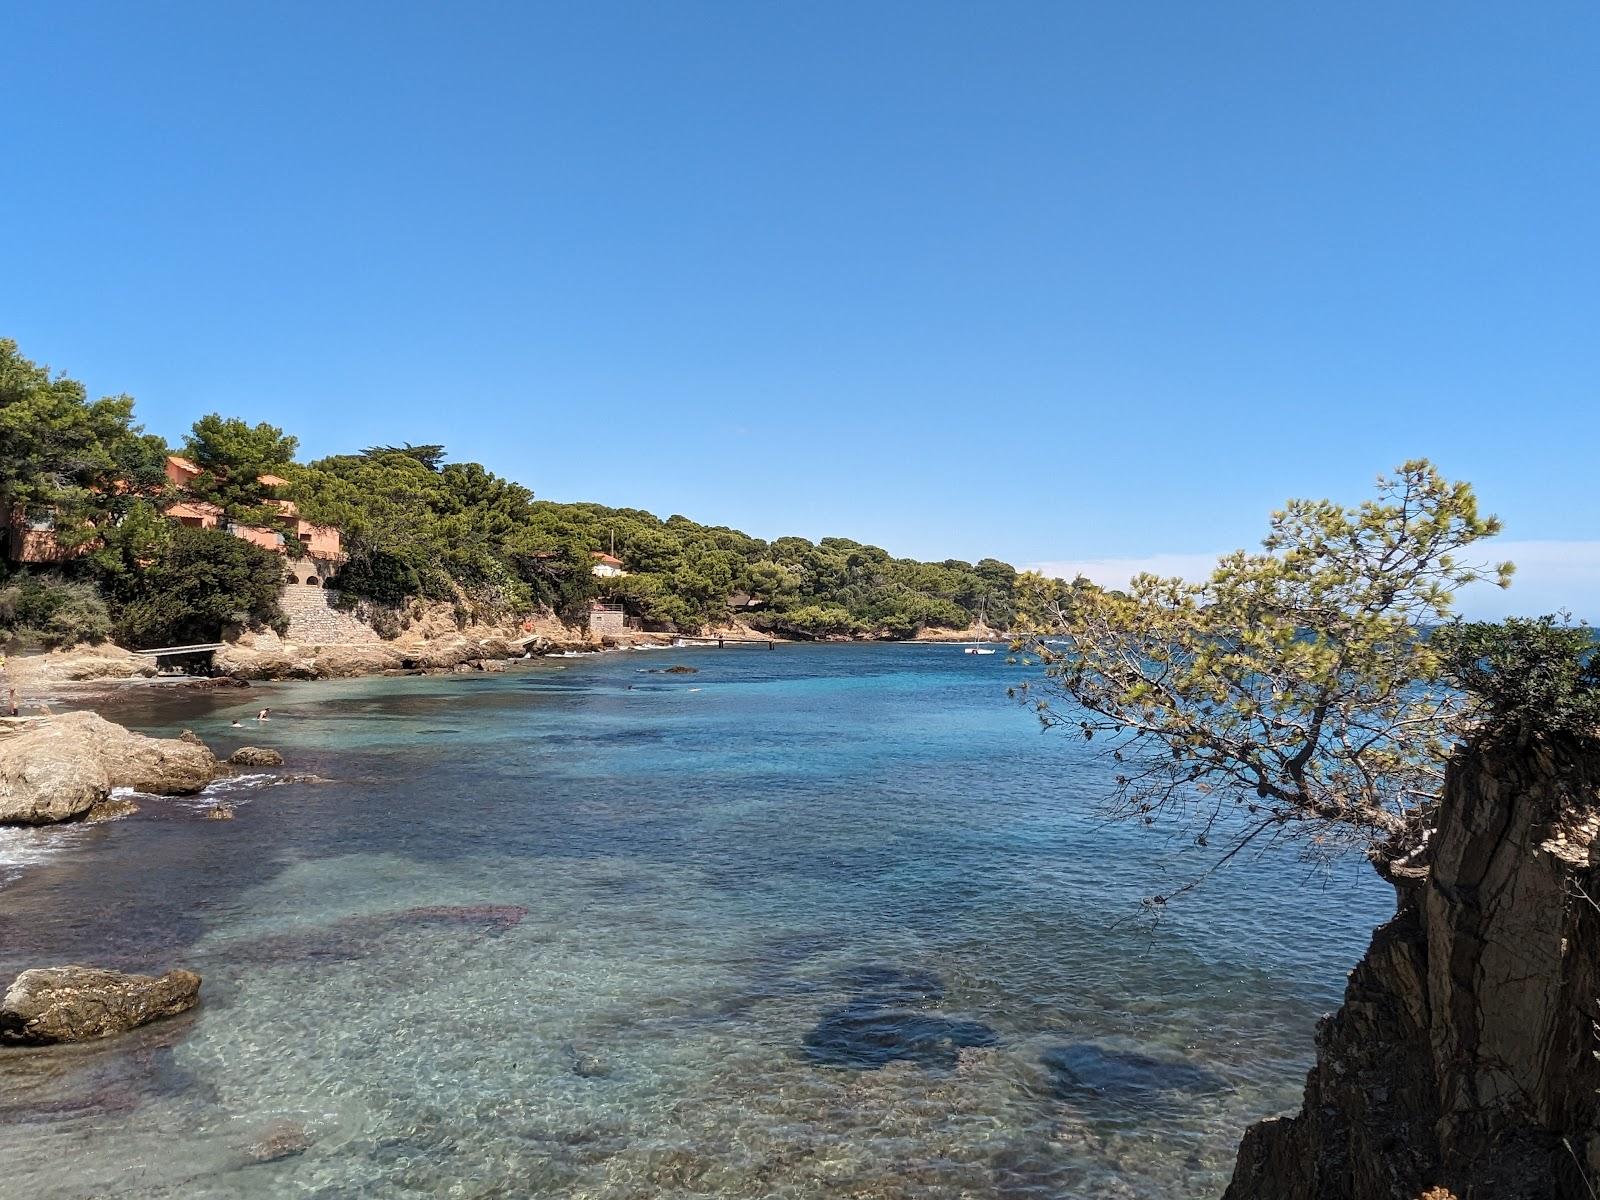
{"type": "Point", "coordinates": [1060, 282]}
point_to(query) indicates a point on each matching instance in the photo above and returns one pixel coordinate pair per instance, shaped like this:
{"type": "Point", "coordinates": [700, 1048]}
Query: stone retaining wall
{"type": "Point", "coordinates": [314, 621]}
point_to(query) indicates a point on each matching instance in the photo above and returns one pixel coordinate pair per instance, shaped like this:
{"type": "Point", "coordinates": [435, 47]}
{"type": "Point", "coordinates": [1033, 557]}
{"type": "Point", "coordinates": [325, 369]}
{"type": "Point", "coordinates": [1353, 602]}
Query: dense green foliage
{"type": "Point", "coordinates": [63, 455]}
{"type": "Point", "coordinates": [414, 527]}
{"type": "Point", "coordinates": [1531, 676]}
{"type": "Point", "coordinates": [232, 456]}
{"type": "Point", "coordinates": [168, 584]}
{"type": "Point", "coordinates": [51, 611]}
{"type": "Point", "coordinates": [417, 527]}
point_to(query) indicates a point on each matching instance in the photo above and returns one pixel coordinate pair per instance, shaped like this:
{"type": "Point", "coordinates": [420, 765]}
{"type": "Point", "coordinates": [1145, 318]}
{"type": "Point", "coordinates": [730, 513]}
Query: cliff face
{"type": "Point", "coordinates": [1464, 1055]}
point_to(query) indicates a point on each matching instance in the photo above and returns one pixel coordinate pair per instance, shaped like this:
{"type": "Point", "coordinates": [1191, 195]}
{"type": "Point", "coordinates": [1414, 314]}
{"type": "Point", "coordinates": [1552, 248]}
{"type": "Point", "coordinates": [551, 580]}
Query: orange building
{"type": "Point", "coordinates": [31, 538]}
{"type": "Point", "coordinates": [320, 542]}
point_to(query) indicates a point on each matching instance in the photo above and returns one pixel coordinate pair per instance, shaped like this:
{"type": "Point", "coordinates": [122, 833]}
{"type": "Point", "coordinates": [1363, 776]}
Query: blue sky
{"type": "Point", "coordinates": [1063, 283]}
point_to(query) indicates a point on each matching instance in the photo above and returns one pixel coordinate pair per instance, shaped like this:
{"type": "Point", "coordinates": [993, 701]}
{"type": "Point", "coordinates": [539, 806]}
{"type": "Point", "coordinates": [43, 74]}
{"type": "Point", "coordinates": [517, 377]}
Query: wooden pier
{"type": "Point", "coordinates": [720, 642]}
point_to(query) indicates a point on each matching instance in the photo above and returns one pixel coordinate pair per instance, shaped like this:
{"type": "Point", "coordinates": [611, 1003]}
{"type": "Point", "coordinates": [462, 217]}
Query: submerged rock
{"type": "Point", "coordinates": [221, 812]}
{"type": "Point", "coordinates": [866, 1037]}
{"type": "Point", "coordinates": [255, 756]}
{"type": "Point", "coordinates": [280, 1140]}
{"type": "Point", "coordinates": [894, 986]}
{"type": "Point", "coordinates": [499, 917]}
{"type": "Point", "coordinates": [586, 1064]}
{"type": "Point", "coordinates": [79, 1004]}
{"type": "Point", "coordinates": [356, 937]}
{"type": "Point", "coordinates": [1084, 1070]}
{"type": "Point", "coordinates": [887, 1020]}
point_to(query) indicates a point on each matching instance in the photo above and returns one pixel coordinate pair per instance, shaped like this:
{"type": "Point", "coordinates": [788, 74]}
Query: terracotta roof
{"type": "Point", "coordinates": [271, 480]}
{"type": "Point", "coordinates": [602, 556]}
{"type": "Point", "coordinates": [182, 463]}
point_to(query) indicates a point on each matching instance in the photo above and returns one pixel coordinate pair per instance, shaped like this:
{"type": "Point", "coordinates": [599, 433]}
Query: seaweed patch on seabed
{"type": "Point", "coordinates": [357, 937]}
{"type": "Point", "coordinates": [887, 1019]}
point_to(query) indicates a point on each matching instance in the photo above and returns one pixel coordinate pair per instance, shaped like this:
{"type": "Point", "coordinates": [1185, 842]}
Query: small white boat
{"type": "Point", "coordinates": [976, 649]}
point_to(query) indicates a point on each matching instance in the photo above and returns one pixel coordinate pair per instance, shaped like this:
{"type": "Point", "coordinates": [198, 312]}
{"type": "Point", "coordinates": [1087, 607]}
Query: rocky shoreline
{"type": "Point", "coordinates": [91, 673]}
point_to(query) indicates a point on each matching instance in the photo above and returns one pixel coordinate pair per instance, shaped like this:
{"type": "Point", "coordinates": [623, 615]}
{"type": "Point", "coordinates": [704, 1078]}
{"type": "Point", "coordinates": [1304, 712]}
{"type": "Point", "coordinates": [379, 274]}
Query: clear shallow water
{"type": "Point", "coordinates": [822, 921]}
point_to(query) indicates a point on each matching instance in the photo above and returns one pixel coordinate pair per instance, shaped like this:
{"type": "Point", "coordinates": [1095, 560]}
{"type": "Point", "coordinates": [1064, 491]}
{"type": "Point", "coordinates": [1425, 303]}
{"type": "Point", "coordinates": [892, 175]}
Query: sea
{"type": "Point", "coordinates": [814, 921]}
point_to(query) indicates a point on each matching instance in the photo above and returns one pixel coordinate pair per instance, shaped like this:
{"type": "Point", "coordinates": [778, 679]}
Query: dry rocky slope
{"type": "Point", "coordinates": [1463, 1058]}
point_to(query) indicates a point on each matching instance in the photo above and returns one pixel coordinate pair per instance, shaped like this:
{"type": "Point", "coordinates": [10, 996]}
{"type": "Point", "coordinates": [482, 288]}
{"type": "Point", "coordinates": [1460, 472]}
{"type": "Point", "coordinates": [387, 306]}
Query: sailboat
{"type": "Point", "coordinates": [976, 648]}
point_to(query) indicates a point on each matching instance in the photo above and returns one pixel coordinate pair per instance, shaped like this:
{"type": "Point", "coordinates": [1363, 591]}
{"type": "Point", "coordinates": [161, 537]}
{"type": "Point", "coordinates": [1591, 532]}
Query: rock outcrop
{"type": "Point", "coordinates": [1464, 1055]}
{"type": "Point", "coordinates": [61, 767]}
{"type": "Point", "coordinates": [35, 673]}
{"type": "Point", "coordinates": [80, 1004]}
{"type": "Point", "coordinates": [255, 756]}
{"type": "Point", "coordinates": [266, 656]}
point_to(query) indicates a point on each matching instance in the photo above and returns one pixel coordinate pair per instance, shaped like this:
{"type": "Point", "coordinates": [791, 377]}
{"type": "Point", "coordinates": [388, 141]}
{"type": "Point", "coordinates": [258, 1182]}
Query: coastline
{"type": "Point", "coordinates": [85, 675]}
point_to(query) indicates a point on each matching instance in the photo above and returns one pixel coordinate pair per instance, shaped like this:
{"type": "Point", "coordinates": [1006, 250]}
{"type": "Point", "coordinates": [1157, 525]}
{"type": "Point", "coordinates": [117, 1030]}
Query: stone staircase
{"type": "Point", "coordinates": [314, 621]}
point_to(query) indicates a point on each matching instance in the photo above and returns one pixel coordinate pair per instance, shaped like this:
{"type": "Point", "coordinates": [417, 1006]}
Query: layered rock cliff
{"type": "Point", "coordinates": [1464, 1058]}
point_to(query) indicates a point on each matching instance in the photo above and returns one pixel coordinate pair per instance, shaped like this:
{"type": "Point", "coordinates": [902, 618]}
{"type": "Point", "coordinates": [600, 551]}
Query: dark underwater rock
{"type": "Point", "coordinates": [1084, 1070]}
{"type": "Point", "coordinates": [867, 1036]}
{"type": "Point", "coordinates": [280, 1140]}
{"type": "Point", "coordinates": [875, 984]}
{"type": "Point", "coordinates": [887, 1019]}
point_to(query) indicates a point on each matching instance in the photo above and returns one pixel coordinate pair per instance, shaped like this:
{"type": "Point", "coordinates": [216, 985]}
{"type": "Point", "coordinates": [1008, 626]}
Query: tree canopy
{"type": "Point", "coordinates": [61, 454]}
{"type": "Point", "coordinates": [1294, 692]}
{"type": "Point", "coordinates": [415, 525]}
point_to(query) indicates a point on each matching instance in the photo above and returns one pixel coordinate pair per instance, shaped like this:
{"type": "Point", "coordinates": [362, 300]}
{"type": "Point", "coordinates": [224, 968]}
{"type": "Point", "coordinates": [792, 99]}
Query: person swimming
{"type": "Point", "coordinates": [237, 725]}
{"type": "Point", "coordinates": [264, 715]}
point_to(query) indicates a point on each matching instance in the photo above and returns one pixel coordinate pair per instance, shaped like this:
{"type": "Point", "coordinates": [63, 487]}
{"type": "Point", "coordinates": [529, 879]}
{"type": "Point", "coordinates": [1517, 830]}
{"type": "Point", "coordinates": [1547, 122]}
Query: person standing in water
{"type": "Point", "coordinates": [263, 714]}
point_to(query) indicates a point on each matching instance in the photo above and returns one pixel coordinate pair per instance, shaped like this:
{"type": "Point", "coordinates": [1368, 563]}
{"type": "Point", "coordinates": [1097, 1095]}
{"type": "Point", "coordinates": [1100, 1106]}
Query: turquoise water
{"type": "Point", "coordinates": [821, 921]}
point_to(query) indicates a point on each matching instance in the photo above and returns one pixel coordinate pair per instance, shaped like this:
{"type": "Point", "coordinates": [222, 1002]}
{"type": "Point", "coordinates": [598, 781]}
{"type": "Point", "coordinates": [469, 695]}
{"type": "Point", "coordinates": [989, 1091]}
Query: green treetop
{"type": "Point", "coordinates": [1293, 692]}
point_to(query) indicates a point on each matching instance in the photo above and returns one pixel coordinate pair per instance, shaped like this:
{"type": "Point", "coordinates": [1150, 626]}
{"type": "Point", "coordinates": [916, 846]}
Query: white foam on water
{"type": "Point", "coordinates": [31, 846]}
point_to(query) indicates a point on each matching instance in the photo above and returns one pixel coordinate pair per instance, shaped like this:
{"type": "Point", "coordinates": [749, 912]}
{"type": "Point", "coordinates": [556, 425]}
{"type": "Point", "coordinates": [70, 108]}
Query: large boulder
{"type": "Point", "coordinates": [42, 787]}
{"type": "Point", "coordinates": [255, 756]}
{"type": "Point", "coordinates": [61, 767]}
{"type": "Point", "coordinates": [80, 1004]}
{"type": "Point", "coordinates": [159, 766]}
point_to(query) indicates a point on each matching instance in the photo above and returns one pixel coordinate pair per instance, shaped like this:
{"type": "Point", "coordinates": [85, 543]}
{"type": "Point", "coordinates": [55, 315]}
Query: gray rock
{"type": "Point", "coordinates": [80, 1004]}
{"type": "Point", "coordinates": [255, 756]}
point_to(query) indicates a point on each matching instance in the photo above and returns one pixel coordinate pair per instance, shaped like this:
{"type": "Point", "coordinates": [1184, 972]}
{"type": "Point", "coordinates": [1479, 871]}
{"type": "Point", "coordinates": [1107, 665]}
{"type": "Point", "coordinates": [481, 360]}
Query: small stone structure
{"type": "Point", "coordinates": [314, 621]}
{"type": "Point", "coordinates": [607, 619]}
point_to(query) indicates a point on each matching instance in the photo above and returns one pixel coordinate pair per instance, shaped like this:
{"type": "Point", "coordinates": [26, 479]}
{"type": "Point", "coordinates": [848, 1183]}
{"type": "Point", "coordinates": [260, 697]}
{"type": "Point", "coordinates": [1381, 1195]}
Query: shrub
{"type": "Point", "coordinates": [52, 611]}
{"type": "Point", "coordinates": [1530, 676]}
{"type": "Point", "coordinates": [206, 581]}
